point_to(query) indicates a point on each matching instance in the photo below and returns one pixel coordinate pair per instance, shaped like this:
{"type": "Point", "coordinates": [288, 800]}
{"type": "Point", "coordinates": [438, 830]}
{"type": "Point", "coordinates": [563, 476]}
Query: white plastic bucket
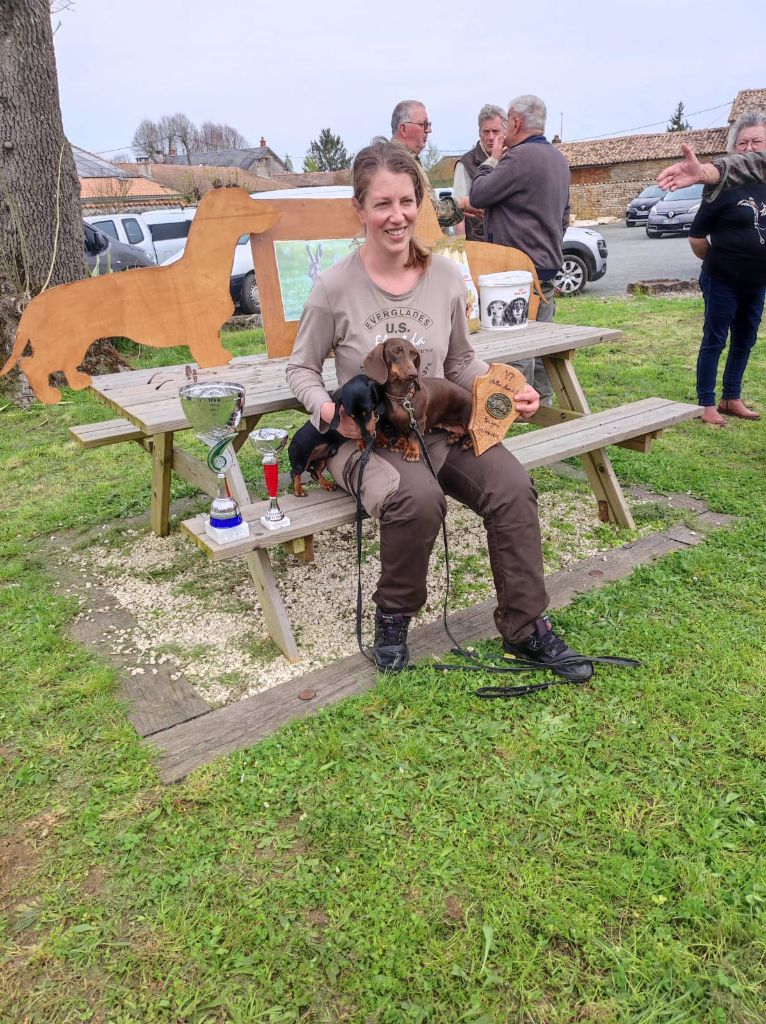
{"type": "Point", "coordinates": [504, 299]}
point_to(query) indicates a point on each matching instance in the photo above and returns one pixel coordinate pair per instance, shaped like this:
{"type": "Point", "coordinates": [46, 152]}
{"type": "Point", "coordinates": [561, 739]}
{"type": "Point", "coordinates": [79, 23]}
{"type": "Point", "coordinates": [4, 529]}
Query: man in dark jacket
{"type": "Point", "coordinates": [523, 188]}
{"type": "Point", "coordinates": [493, 123]}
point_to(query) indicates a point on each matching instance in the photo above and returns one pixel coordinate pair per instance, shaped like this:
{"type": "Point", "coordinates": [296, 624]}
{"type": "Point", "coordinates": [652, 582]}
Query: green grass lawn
{"type": "Point", "coordinates": [415, 854]}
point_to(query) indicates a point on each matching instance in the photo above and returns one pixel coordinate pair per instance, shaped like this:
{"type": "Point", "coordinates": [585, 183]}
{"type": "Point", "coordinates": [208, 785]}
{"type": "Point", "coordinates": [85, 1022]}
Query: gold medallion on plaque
{"type": "Point", "coordinates": [493, 407]}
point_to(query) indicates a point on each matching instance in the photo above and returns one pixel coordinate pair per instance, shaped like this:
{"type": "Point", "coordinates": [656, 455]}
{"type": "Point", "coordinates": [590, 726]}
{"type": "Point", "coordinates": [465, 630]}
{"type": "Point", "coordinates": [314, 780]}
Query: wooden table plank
{"type": "Point", "coordinates": [95, 435]}
{"type": "Point", "coordinates": [538, 448]}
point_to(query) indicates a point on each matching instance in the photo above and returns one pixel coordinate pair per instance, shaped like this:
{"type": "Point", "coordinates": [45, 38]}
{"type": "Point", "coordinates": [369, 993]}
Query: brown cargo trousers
{"type": "Point", "coordinates": [411, 506]}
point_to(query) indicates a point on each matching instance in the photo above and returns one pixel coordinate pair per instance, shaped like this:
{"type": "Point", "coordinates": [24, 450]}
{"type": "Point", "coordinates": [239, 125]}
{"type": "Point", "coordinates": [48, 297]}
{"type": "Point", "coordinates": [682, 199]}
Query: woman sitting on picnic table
{"type": "Point", "coordinates": [393, 286]}
{"type": "Point", "coordinates": [733, 279]}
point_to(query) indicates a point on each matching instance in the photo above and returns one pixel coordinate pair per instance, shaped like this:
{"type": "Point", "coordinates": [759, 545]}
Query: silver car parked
{"type": "Point", "coordinates": [674, 213]}
{"type": "Point", "coordinates": [638, 209]}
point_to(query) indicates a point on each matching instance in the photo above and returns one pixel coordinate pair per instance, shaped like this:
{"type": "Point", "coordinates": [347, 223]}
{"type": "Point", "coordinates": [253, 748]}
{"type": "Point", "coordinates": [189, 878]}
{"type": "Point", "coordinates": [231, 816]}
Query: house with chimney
{"type": "Point", "coordinates": [193, 181]}
{"type": "Point", "coordinates": [260, 160]}
{"type": "Point", "coordinates": [106, 186]}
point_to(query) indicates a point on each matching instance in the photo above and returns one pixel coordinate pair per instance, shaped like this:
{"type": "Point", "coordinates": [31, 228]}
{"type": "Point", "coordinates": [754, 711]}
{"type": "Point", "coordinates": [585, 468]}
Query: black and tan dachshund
{"type": "Point", "coordinates": [395, 365]}
{"type": "Point", "coordinates": [361, 399]}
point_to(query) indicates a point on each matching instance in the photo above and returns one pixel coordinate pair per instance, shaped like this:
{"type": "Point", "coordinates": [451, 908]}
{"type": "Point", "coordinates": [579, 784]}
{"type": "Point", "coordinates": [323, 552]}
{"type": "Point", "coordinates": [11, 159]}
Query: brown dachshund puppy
{"type": "Point", "coordinates": [435, 402]}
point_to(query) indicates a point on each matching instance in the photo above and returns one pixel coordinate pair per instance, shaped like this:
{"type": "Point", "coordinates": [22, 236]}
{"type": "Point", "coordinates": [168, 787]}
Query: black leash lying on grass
{"type": "Point", "coordinates": [476, 663]}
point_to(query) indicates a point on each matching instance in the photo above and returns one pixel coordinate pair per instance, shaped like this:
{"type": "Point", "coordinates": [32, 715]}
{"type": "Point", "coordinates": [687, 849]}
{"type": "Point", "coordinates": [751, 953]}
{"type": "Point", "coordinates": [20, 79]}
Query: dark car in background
{"type": "Point", "coordinates": [638, 208]}
{"type": "Point", "coordinates": [674, 213]}
{"type": "Point", "coordinates": [105, 255]}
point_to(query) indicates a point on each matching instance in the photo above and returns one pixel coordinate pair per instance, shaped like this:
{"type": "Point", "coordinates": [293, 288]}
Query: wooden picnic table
{"type": "Point", "coordinates": [148, 402]}
{"type": "Point", "coordinates": [150, 413]}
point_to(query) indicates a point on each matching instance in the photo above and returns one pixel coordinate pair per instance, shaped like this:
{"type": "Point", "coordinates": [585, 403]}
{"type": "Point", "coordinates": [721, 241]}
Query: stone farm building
{"type": "Point", "coordinates": [606, 173]}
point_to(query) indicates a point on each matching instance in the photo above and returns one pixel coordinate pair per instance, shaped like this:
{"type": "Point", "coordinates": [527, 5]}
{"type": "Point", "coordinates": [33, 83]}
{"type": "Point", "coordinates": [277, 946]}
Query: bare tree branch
{"type": "Point", "coordinates": [218, 136]}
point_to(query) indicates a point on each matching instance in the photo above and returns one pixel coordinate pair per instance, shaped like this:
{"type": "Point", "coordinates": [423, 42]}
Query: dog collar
{"type": "Point", "coordinates": [407, 396]}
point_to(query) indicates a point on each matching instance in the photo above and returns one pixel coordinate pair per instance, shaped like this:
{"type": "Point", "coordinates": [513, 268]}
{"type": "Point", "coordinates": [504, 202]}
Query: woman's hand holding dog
{"type": "Point", "coordinates": [527, 402]}
{"type": "Point", "coordinates": [346, 425]}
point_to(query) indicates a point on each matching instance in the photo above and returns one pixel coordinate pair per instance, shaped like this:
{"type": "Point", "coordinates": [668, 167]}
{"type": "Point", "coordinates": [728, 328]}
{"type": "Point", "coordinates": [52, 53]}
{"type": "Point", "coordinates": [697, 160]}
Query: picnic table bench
{"type": "Point", "coordinates": [150, 414]}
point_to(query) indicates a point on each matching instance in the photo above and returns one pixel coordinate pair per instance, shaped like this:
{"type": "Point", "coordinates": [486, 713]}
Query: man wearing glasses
{"type": "Point", "coordinates": [410, 127]}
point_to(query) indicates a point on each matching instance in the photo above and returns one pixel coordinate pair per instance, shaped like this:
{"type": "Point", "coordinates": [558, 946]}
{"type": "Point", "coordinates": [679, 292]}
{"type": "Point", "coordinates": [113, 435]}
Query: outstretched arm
{"type": "Point", "coordinates": [688, 171]}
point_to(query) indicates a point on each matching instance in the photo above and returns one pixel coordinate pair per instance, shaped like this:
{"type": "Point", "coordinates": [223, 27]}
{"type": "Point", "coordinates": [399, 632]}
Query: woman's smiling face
{"type": "Point", "coordinates": [389, 212]}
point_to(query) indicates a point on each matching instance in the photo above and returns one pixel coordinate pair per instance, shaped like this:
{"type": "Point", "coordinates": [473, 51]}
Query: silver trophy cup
{"type": "Point", "coordinates": [268, 442]}
{"type": "Point", "coordinates": [214, 410]}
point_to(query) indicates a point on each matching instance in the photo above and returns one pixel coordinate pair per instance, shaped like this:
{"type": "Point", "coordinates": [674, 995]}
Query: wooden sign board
{"type": "Point", "coordinates": [310, 235]}
{"type": "Point", "coordinates": [184, 303]}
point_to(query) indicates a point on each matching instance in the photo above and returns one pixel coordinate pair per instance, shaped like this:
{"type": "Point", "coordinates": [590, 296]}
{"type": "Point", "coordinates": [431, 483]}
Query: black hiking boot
{"type": "Point", "coordinates": [545, 648]}
{"type": "Point", "coordinates": [390, 652]}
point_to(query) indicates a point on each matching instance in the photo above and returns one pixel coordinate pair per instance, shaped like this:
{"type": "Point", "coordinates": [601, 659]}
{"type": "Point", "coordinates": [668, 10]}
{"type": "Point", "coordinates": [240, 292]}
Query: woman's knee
{"type": "Point", "coordinates": [423, 505]}
{"type": "Point", "coordinates": [714, 337]}
{"type": "Point", "coordinates": [508, 486]}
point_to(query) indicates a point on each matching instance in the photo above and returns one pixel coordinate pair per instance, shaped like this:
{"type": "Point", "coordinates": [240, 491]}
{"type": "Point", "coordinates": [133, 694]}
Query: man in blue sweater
{"type": "Point", "coordinates": [523, 188]}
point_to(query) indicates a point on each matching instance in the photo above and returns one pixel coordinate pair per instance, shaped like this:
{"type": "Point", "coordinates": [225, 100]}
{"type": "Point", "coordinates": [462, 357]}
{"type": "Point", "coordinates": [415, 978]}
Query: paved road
{"type": "Point", "coordinates": [634, 257]}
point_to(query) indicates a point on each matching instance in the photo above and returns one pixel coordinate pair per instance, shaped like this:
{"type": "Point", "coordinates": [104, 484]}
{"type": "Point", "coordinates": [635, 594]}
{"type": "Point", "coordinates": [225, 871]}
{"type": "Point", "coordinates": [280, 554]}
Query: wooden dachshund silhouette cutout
{"type": "Point", "coordinates": [184, 303]}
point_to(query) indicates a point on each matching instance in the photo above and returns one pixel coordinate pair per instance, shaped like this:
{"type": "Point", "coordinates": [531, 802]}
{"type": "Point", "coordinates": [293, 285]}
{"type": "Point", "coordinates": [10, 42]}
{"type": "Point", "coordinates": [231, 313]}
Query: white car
{"type": "Point", "coordinates": [159, 234]}
{"type": "Point", "coordinates": [585, 255]}
{"type": "Point", "coordinates": [584, 251]}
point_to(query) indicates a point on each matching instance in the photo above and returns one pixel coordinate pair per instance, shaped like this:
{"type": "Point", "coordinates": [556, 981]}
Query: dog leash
{"type": "Point", "coordinates": [519, 664]}
{"type": "Point", "coordinates": [363, 460]}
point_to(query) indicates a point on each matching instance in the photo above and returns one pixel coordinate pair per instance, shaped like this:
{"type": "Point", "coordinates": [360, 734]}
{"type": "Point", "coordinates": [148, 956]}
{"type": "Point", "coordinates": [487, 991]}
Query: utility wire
{"type": "Point", "coordinates": [627, 131]}
{"type": "Point", "coordinates": [623, 131]}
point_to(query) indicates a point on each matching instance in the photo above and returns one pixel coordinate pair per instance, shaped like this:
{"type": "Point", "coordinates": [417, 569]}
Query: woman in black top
{"type": "Point", "coordinates": [729, 236]}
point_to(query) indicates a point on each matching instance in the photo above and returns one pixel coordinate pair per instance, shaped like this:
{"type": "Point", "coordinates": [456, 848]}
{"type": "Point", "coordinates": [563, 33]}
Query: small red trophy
{"type": "Point", "coordinates": [268, 442]}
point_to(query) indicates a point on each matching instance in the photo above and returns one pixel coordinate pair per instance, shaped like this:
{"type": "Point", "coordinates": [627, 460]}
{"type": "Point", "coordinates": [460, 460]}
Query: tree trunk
{"type": "Point", "coordinates": [41, 233]}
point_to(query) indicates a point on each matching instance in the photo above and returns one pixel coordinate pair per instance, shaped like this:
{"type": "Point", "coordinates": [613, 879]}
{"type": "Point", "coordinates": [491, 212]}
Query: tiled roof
{"type": "Point", "coordinates": [116, 189]}
{"type": "Point", "coordinates": [181, 176]}
{"type": "Point", "coordinates": [310, 178]}
{"type": "Point", "coordinates": [746, 100]}
{"type": "Point", "coordinates": [247, 159]}
{"type": "Point", "coordinates": [633, 148]}
{"type": "Point", "coordinates": [91, 166]}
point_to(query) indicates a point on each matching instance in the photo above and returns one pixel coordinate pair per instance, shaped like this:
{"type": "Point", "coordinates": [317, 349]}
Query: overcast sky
{"type": "Point", "coordinates": [286, 70]}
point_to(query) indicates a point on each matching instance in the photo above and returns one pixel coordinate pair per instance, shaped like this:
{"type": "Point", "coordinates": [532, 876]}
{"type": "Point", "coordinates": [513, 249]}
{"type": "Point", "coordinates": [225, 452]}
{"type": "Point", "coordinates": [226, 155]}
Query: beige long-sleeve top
{"type": "Point", "coordinates": [347, 314]}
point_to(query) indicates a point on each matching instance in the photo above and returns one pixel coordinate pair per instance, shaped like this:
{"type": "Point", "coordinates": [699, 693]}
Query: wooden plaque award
{"type": "Point", "coordinates": [493, 407]}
